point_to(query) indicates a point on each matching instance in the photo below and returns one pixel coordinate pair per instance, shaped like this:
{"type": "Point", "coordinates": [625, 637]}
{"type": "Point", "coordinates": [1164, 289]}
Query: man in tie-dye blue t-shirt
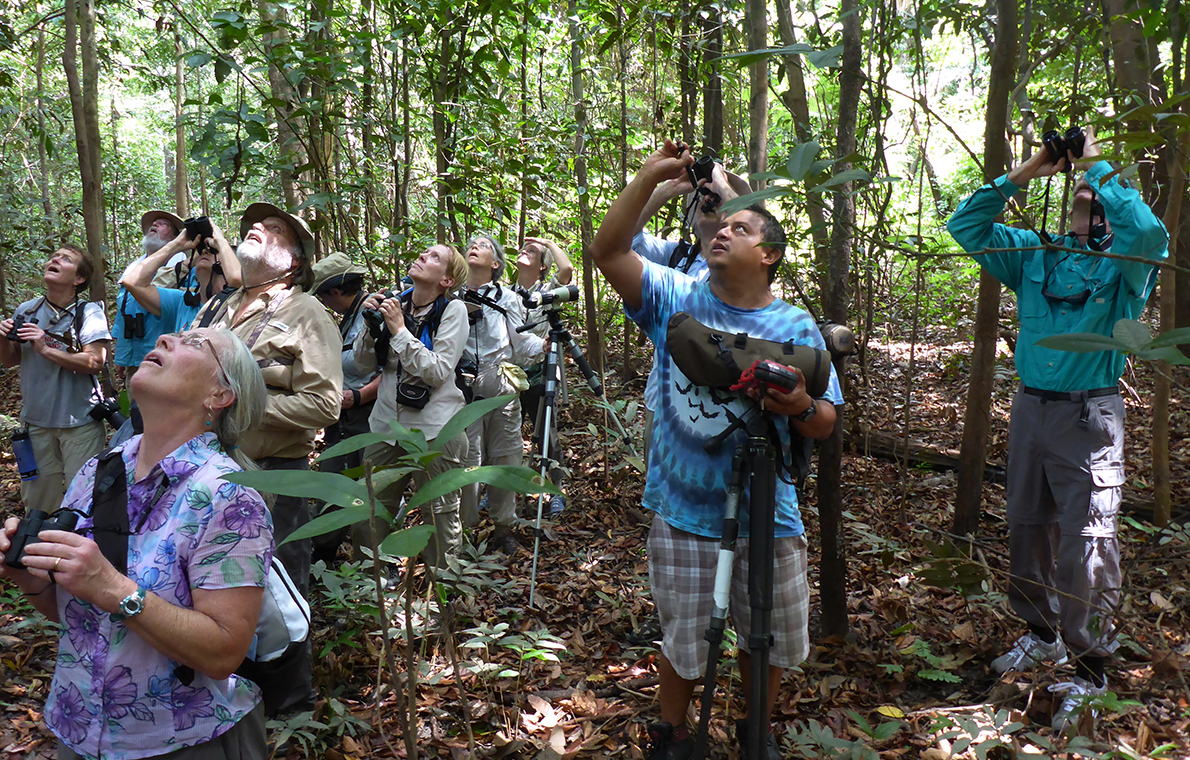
{"type": "Point", "coordinates": [686, 487]}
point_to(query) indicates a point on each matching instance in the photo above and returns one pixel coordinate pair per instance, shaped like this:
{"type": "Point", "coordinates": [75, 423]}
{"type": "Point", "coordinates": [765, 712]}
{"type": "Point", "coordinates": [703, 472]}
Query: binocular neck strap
{"type": "Point", "coordinates": [109, 509]}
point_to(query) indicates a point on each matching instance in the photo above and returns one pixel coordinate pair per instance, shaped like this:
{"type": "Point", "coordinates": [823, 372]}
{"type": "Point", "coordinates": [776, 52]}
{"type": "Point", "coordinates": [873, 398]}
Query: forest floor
{"type": "Point", "coordinates": [576, 677]}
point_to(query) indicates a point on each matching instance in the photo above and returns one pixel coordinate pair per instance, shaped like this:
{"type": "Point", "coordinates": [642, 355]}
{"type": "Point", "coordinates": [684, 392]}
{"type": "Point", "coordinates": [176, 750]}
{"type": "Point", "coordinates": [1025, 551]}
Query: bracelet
{"type": "Point", "coordinates": [355, 398]}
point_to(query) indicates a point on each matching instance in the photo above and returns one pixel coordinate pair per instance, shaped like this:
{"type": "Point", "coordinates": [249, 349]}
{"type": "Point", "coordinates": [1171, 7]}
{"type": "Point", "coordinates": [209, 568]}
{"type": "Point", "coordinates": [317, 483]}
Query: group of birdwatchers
{"type": "Point", "coordinates": [236, 357]}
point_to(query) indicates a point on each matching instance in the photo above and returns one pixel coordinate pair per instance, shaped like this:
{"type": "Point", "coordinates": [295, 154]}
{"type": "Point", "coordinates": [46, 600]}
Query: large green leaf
{"type": "Point", "coordinates": [744, 201]}
{"type": "Point", "coordinates": [1132, 334]}
{"type": "Point", "coordinates": [845, 176]}
{"type": "Point", "coordinates": [385, 478]}
{"type": "Point", "coordinates": [801, 158]}
{"type": "Point", "coordinates": [1082, 343]}
{"type": "Point", "coordinates": [354, 443]}
{"type": "Point", "coordinates": [822, 59]}
{"type": "Point", "coordinates": [407, 542]}
{"type": "Point", "coordinates": [330, 487]}
{"type": "Point", "coordinates": [1177, 337]}
{"type": "Point", "coordinates": [465, 416]}
{"type": "Point", "coordinates": [519, 479]}
{"type": "Point", "coordinates": [340, 518]}
{"type": "Point", "coordinates": [1167, 354]}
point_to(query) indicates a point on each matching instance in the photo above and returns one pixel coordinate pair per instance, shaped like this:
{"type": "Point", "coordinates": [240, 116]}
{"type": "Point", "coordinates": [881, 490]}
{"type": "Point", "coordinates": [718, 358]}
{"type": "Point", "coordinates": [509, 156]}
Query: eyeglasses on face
{"type": "Point", "coordinates": [197, 340]}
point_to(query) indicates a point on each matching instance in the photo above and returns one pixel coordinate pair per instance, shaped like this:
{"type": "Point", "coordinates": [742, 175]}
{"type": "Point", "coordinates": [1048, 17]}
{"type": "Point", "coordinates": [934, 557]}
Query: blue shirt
{"type": "Point", "coordinates": [1118, 289]}
{"type": "Point", "coordinates": [654, 249]}
{"type": "Point", "coordinates": [176, 316]}
{"type": "Point", "coordinates": [687, 486]}
{"type": "Point", "coordinates": [130, 351]}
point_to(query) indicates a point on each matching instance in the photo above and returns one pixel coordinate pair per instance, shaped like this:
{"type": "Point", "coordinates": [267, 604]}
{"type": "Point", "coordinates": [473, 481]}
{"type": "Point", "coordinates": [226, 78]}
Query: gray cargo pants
{"type": "Point", "coordinates": [1065, 469]}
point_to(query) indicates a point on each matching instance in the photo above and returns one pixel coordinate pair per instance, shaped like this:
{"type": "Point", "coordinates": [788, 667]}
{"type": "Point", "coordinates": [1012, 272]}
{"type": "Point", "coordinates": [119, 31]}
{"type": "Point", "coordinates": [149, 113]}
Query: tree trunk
{"type": "Point", "coordinates": [181, 176]}
{"type": "Point", "coordinates": [115, 196]}
{"type": "Point", "coordinates": [523, 214]}
{"type": "Point", "coordinates": [976, 419]}
{"type": "Point", "coordinates": [712, 101]}
{"type": "Point", "coordinates": [43, 161]}
{"type": "Point", "coordinates": [686, 69]}
{"type": "Point", "coordinates": [84, 107]}
{"type": "Point", "coordinates": [283, 93]}
{"type": "Point", "coordinates": [833, 567]}
{"type": "Point", "coordinates": [796, 101]}
{"type": "Point", "coordinates": [756, 20]}
{"type": "Point", "coordinates": [586, 226]}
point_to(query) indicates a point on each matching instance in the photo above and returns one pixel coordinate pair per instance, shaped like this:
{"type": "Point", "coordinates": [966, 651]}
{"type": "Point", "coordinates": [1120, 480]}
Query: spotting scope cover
{"type": "Point", "coordinates": [564, 294]}
{"type": "Point", "coordinates": [717, 358]}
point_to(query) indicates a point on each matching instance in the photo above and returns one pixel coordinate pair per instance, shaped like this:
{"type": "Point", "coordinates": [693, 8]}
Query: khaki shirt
{"type": "Point", "coordinates": [299, 356]}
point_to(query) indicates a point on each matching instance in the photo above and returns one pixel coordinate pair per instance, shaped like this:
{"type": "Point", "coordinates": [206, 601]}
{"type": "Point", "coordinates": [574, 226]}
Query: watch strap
{"type": "Point", "coordinates": [808, 413]}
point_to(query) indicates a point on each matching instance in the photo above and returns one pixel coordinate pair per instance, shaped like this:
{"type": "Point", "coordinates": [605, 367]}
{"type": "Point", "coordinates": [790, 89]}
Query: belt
{"type": "Point", "coordinates": [1069, 395]}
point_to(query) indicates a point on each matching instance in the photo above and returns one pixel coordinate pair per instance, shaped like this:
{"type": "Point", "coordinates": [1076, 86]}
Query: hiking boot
{"type": "Point", "coordinates": [1030, 650]}
{"type": "Point", "coordinates": [669, 743]}
{"type": "Point", "coordinates": [557, 504]}
{"type": "Point", "coordinates": [770, 751]}
{"type": "Point", "coordinates": [504, 541]}
{"type": "Point", "coordinates": [1079, 692]}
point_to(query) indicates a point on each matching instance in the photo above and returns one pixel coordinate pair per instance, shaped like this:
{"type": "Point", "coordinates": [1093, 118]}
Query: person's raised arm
{"type": "Point", "coordinates": [227, 256]}
{"type": "Point", "coordinates": [612, 247]}
{"type": "Point", "coordinates": [138, 277]}
{"type": "Point", "coordinates": [565, 269]}
{"type": "Point", "coordinates": [661, 195]}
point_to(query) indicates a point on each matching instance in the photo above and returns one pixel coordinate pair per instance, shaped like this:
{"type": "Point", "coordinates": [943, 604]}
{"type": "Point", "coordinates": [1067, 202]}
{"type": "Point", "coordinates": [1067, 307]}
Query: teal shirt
{"type": "Point", "coordinates": [1118, 288]}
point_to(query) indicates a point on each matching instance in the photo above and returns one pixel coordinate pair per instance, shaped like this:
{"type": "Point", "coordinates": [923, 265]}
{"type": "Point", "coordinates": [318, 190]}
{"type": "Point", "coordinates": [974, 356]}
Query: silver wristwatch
{"type": "Point", "coordinates": [131, 606]}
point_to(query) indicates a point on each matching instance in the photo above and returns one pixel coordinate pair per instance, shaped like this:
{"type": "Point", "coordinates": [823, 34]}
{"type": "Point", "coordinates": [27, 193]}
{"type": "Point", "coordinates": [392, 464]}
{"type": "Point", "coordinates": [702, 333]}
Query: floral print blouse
{"type": "Point", "coordinates": [113, 695]}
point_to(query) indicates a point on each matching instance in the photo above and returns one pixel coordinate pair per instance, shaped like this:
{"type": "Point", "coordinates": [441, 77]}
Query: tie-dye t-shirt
{"type": "Point", "coordinates": [113, 695]}
{"type": "Point", "coordinates": [686, 485]}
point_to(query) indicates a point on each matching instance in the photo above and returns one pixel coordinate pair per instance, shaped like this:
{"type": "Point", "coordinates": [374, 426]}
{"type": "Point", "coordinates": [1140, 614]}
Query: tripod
{"type": "Point", "coordinates": [559, 339]}
{"type": "Point", "coordinates": [755, 459]}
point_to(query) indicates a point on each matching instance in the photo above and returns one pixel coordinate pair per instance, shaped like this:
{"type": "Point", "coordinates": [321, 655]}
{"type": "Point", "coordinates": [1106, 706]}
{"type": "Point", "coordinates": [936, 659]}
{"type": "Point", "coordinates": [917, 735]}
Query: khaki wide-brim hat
{"type": "Point", "coordinates": [149, 217]}
{"type": "Point", "coordinates": [258, 212]}
{"type": "Point", "coordinates": [331, 271]}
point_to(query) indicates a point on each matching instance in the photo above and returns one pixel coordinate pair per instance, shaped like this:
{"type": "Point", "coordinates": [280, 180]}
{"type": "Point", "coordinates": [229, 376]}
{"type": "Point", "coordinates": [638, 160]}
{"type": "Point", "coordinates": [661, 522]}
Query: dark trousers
{"type": "Point", "coordinates": [289, 514]}
{"type": "Point", "coordinates": [532, 405]}
{"type": "Point", "coordinates": [351, 422]}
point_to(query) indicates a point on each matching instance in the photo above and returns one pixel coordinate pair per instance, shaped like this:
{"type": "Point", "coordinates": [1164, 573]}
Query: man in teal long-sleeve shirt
{"type": "Point", "coordinates": [1066, 436]}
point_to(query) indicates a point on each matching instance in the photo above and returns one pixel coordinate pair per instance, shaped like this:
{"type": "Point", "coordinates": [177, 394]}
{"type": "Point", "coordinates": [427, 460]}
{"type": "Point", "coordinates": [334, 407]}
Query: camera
{"type": "Point", "coordinates": [536, 298]}
{"type": "Point", "coordinates": [373, 317]}
{"type": "Point", "coordinates": [134, 326]}
{"type": "Point", "coordinates": [35, 522]}
{"type": "Point", "coordinates": [18, 321]}
{"type": "Point", "coordinates": [108, 410]}
{"type": "Point", "coordinates": [1074, 140]}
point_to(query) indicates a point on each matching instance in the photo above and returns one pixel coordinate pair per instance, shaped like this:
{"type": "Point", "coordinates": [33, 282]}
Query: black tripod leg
{"type": "Point", "coordinates": [722, 596]}
{"type": "Point", "coordinates": [761, 551]}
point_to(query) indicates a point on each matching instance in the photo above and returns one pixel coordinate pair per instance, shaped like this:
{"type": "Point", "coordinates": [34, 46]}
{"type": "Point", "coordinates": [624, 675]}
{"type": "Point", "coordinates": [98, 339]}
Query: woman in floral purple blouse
{"type": "Point", "coordinates": [146, 660]}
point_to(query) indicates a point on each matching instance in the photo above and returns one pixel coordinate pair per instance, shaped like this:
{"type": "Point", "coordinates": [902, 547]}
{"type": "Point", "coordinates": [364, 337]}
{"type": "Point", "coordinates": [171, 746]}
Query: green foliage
{"type": "Point", "coordinates": [1129, 336]}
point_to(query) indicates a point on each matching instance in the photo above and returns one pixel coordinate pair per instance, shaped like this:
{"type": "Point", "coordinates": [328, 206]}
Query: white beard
{"type": "Point", "coordinates": [263, 261]}
{"type": "Point", "coordinates": [152, 244]}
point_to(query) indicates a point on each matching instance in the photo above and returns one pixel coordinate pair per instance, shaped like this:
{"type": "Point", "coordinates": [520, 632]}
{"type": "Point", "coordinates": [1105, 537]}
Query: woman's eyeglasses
{"type": "Point", "coordinates": [195, 340]}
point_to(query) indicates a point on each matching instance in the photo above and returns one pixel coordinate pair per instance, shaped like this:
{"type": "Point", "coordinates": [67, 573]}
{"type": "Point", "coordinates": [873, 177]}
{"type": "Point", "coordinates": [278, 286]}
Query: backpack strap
{"type": "Point", "coordinates": [109, 508]}
{"type": "Point", "coordinates": [215, 306]}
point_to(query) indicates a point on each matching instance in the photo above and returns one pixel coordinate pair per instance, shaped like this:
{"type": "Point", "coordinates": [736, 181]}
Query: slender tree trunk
{"type": "Point", "coordinates": [798, 103]}
{"type": "Point", "coordinates": [833, 567]}
{"type": "Point", "coordinates": [586, 225]}
{"type": "Point", "coordinates": [181, 175]}
{"type": "Point", "coordinates": [756, 20]}
{"type": "Point", "coordinates": [686, 68]}
{"type": "Point", "coordinates": [522, 215]}
{"type": "Point", "coordinates": [712, 94]}
{"type": "Point", "coordinates": [84, 106]}
{"type": "Point", "coordinates": [114, 200]}
{"type": "Point", "coordinates": [976, 418]}
{"type": "Point", "coordinates": [43, 161]}
{"type": "Point", "coordinates": [626, 368]}
{"type": "Point", "coordinates": [283, 93]}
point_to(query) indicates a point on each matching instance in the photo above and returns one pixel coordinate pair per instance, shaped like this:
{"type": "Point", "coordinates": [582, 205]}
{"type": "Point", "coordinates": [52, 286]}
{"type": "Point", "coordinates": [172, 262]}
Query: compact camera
{"type": "Point", "coordinates": [108, 410]}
